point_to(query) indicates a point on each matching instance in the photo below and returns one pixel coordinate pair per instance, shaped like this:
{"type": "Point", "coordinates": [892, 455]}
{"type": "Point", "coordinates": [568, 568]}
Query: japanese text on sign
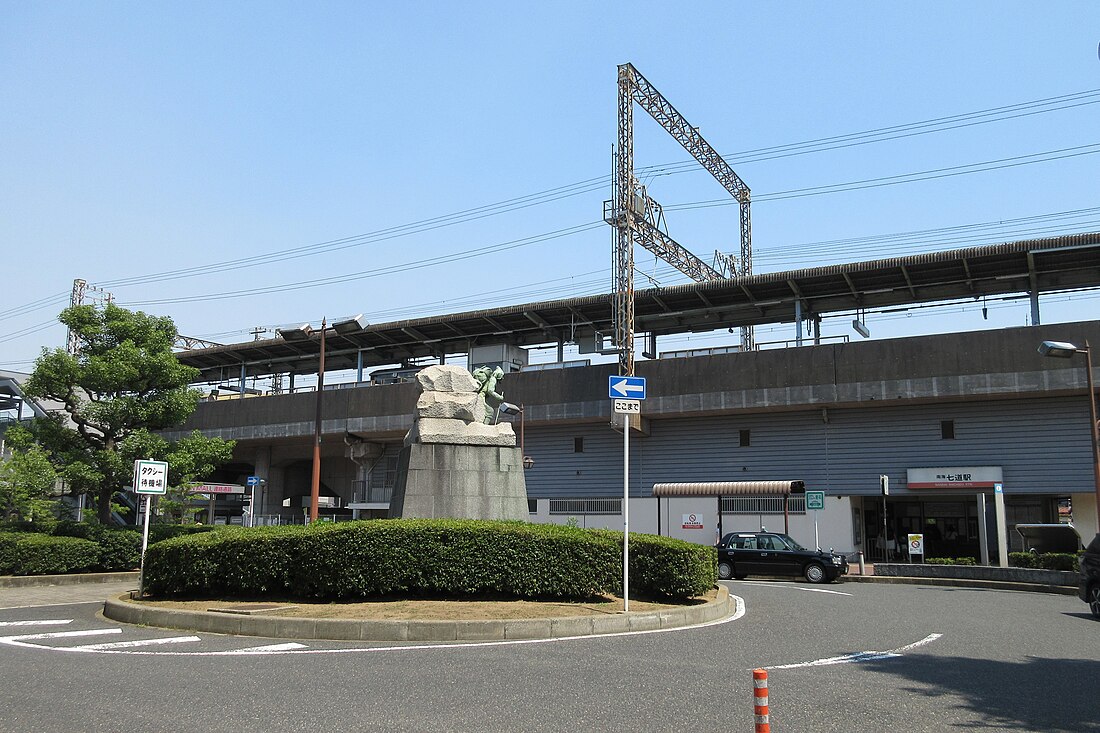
{"type": "Point", "coordinates": [150, 477]}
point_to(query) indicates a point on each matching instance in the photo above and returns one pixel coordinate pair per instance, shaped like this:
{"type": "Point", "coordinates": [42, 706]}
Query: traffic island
{"type": "Point", "coordinates": [228, 618]}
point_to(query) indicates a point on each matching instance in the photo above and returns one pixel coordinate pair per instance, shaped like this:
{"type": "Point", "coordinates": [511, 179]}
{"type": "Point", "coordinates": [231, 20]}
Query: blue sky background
{"type": "Point", "coordinates": [146, 138]}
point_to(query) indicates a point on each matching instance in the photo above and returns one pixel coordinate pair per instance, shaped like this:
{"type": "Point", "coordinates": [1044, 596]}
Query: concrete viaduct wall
{"type": "Point", "coordinates": [950, 367]}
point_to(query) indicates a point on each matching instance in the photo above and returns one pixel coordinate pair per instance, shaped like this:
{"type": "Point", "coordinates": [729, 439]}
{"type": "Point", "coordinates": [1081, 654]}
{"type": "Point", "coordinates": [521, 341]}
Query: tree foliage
{"type": "Point", "coordinates": [26, 480]}
{"type": "Point", "coordinates": [124, 383]}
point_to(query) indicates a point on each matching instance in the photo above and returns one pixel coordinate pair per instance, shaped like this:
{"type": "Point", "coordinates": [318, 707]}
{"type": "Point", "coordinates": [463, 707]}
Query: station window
{"type": "Point", "coordinates": [743, 438]}
{"type": "Point", "coordinates": [578, 445]}
{"type": "Point", "coordinates": [947, 429]}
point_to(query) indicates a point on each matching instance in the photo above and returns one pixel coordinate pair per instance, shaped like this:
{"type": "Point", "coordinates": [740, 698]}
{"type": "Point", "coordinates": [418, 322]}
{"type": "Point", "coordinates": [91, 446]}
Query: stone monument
{"type": "Point", "coordinates": [457, 461]}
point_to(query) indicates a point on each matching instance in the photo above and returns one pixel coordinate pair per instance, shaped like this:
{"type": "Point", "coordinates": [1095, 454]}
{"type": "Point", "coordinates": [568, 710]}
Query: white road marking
{"type": "Point", "coordinates": [794, 587]}
{"type": "Point", "coordinates": [137, 642]}
{"type": "Point", "coordinates": [271, 648]}
{"type": "Point", "coordinates": [292, 648]}
{"type": "Point", "coordinates": [18, 640]}
{"type": "Point", "coordinates": [51, 605]}
{"type": "Point", "coordinates": [859, 656]}
{"type": "Point", "coordinates": [42, 622]}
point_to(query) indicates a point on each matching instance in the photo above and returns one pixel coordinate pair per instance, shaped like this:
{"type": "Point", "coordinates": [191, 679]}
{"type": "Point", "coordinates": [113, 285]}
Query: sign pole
{"type": "Point", "coordinates": [150, 478]}
{"type": "Point", "coordinates": [626, 393]}
{"type": "Point", "coordinates": [144, 545]}
{"type": "Point", "coordinates": [626, 513]}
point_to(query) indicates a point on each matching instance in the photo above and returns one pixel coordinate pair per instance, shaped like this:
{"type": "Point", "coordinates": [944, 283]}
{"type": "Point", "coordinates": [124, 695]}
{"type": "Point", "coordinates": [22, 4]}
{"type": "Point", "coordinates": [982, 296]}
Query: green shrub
{"type": "Point", "coordinates": [1058, 561]}
{"type": "Point", "coordinates": [159, 532]}
{"type": "Point", "coordinates": [951, 561]}
{"type": "Point", "coordinates": [40, 554]}
{"type": "Point", "coordinates": [663, 567]}
{"type": "Point", "coordinates": [120, 549]}
{"type": "Point", "coordinates": [424, 557]}
{"type": "Point", "coordinates": [7, 552]}
{"type": "Point", "coordinates": [1022, 560]}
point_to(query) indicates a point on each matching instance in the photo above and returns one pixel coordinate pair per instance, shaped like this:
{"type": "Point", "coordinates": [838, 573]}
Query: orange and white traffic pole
{"type": "Point", "coordinates": [760, 700]}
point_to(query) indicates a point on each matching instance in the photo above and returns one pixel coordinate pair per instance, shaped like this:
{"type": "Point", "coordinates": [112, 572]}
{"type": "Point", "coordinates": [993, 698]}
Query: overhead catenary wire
{"type": "Point", "coordinates": [990, 115]}
{"type": "Point", "coordinates": [598, 183]}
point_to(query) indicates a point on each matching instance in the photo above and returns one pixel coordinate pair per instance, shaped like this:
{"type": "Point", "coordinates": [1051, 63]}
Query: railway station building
{"type": "Point", "coordinates": [950, 419]}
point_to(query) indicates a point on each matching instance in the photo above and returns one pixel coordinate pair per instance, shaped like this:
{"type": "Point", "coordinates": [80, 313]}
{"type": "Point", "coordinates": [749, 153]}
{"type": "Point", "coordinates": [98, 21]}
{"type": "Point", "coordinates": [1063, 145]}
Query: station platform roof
{"type": "Point", "coordinates": [1032, 266]}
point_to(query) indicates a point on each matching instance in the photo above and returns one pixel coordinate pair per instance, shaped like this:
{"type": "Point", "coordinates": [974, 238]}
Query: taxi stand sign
{"type": "Point", "coordinates": [150, 477]}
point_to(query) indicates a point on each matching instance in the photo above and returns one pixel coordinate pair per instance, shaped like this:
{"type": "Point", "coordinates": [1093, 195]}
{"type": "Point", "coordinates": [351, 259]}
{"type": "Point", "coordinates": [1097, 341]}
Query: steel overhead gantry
{"type": "Point", "coordinates": [638, 218]}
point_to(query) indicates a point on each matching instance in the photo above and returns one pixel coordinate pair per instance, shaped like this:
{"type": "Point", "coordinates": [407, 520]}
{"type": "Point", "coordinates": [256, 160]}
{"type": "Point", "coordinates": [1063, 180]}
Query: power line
{"type": "Point", "coordinates": [388, 270]}
{"type": "Point", "coordinates": [935, 173]}
{"type": "Point", "coordinates": [593, 184]}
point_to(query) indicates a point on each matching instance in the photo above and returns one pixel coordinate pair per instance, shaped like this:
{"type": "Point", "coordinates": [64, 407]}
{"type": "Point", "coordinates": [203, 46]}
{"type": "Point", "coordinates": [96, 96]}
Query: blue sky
{"type": "Point", "coordinates": [146, 138]}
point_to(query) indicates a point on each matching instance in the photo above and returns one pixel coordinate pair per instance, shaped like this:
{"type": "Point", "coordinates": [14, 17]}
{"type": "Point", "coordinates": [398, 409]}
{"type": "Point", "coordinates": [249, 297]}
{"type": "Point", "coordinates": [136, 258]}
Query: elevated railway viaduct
{"type": "Point", "coordinates": [834, 415]}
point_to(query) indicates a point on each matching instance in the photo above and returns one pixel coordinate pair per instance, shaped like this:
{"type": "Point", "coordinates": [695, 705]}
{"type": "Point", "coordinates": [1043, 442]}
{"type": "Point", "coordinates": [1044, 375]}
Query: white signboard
{"type": "Point", "coordinates": [627, 407]}
{"type": "Point", "coordinates": [692, 521]}
{"type": "Point", "coordinates": [217, 489]}
{"type": "Point", "coordinates": [916, 544]}
{"type": "Point", "coordinates": [954, 477]}
{"type": "Point", "coordinates": [150, 477]}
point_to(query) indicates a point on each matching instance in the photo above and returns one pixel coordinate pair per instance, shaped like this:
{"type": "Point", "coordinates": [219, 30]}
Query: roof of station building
{"type": "Point", "coordinates": [1037, 265]}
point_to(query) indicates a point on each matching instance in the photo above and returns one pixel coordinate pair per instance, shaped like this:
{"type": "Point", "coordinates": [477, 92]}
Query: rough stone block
{"type": "Point", "coordinates": [446, 378]}
{"type": "Point", "coordinates": [463, 406]}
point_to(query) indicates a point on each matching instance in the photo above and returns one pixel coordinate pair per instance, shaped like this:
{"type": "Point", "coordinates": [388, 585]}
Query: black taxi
{"type": "Point", "coordinates": [741, 554]}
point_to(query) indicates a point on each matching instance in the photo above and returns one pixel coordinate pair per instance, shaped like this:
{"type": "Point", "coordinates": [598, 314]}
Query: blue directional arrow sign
{"type": "Point", "coordinates": [252, 481]}
{"type": "Point", "coordinates": [629, 387]}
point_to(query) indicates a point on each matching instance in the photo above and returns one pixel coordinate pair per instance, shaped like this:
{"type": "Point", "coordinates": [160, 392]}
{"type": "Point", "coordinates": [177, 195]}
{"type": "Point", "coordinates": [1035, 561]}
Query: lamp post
{"type": "Point", "coordinates": [508, 408]}
{"type": "Point", "coordinates": [304, 333]}
{"type": "Point", "coordinates": [1066, 350]}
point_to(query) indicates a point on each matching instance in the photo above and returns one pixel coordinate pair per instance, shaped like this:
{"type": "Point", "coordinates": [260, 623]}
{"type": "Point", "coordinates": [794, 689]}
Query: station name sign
{"type": "Point", "coordinates": [954, 477]}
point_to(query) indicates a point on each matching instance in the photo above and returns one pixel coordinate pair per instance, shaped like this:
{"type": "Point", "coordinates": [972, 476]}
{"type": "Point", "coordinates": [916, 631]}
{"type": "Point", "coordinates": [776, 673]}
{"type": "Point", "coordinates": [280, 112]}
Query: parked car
{"type": "Point", "coordinates": [1089, 588]}
{"type": "Point", "coordinates": [741, 554]}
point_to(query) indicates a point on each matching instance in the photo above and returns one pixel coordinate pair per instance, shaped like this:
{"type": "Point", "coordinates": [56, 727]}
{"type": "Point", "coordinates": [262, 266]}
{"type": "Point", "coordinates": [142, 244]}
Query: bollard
{"type": "Point", "coordinates": [760, 700]}
{"type": "Point", "coordinates": [862, 565]}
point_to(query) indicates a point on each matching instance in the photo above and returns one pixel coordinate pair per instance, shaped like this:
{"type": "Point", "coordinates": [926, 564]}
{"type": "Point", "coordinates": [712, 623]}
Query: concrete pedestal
{"type": "Point", "coordinates": [437, 480]}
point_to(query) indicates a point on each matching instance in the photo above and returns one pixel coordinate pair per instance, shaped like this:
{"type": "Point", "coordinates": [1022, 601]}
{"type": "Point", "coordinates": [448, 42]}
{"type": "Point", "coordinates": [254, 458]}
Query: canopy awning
{"type": "Point", "coordinates": [731, 488]}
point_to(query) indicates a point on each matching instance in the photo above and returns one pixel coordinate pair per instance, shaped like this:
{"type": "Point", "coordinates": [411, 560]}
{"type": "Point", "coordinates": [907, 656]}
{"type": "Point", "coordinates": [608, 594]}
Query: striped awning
{"type": "Point", "coordinates": [731, 488]}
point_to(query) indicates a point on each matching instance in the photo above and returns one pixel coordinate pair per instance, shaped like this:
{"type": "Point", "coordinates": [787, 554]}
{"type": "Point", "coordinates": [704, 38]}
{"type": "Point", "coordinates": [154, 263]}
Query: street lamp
{"type": "Point", "coordinates": [508, 408]}
{"type": "Point", "coordinates": [305, 333]}
{"type": "Point", "coordinates": [1066, 350]}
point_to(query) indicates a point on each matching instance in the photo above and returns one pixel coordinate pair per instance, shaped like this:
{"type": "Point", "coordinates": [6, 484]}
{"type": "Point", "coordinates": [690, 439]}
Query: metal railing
{"type": "Point", "coordinates": [586, 506]}
{"type": "Point", "coordinates": [361, 493]}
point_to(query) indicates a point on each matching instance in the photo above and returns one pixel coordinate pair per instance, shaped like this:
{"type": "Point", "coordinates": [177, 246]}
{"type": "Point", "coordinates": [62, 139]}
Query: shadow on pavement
{"type": "Point", "coordinates": [1036, 694]}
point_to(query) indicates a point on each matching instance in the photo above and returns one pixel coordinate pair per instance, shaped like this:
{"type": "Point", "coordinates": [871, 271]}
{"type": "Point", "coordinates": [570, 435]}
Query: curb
{"type": "Point", "coordinates": [276, 627]}
{"type": "Point", "coordinates": [1063, 590]}
{"type": "Point", "coordinates": [31, 581]}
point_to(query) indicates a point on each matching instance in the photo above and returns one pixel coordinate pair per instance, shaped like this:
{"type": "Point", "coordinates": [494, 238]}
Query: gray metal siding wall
{"type": "Point", "coordinates": [1043, 446]}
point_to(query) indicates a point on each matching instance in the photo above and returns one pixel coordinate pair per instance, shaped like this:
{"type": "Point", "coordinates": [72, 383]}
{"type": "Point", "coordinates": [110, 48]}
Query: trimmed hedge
{"type": "Point", "coordinates": [951, 561]}
{"type": "Point", "coordinates": [456, 558]}
{"type": "Point", "coordinates": [120, 549]}
{"type": "Point", "coordinates": [40, 554]}
{"type": "Point", "coordinates": [1044, 561]}
{"type": "Point", "coordinates": [160, 532]}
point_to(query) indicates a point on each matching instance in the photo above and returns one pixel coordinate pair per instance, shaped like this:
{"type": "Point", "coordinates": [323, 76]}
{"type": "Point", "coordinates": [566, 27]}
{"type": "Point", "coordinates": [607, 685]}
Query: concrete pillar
{"type": "Point", "coordinates": [1034, 295]}
{"type": "Point", "coordinates": [262, 467]}
{"type": "Point", "coordinates": [983, 534]}
{"type": "Point", "coordinates": [798, 321]}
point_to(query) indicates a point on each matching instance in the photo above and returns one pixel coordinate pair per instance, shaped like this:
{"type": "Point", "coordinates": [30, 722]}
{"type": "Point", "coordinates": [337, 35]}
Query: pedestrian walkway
{"type": "Point", "coordinates": [46, 595]}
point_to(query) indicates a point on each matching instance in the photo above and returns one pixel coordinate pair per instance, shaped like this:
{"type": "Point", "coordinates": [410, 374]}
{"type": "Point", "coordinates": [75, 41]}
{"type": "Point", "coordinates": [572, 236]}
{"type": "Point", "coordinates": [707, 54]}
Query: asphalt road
{"type": "Point", "coordinates": [845, 657]}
